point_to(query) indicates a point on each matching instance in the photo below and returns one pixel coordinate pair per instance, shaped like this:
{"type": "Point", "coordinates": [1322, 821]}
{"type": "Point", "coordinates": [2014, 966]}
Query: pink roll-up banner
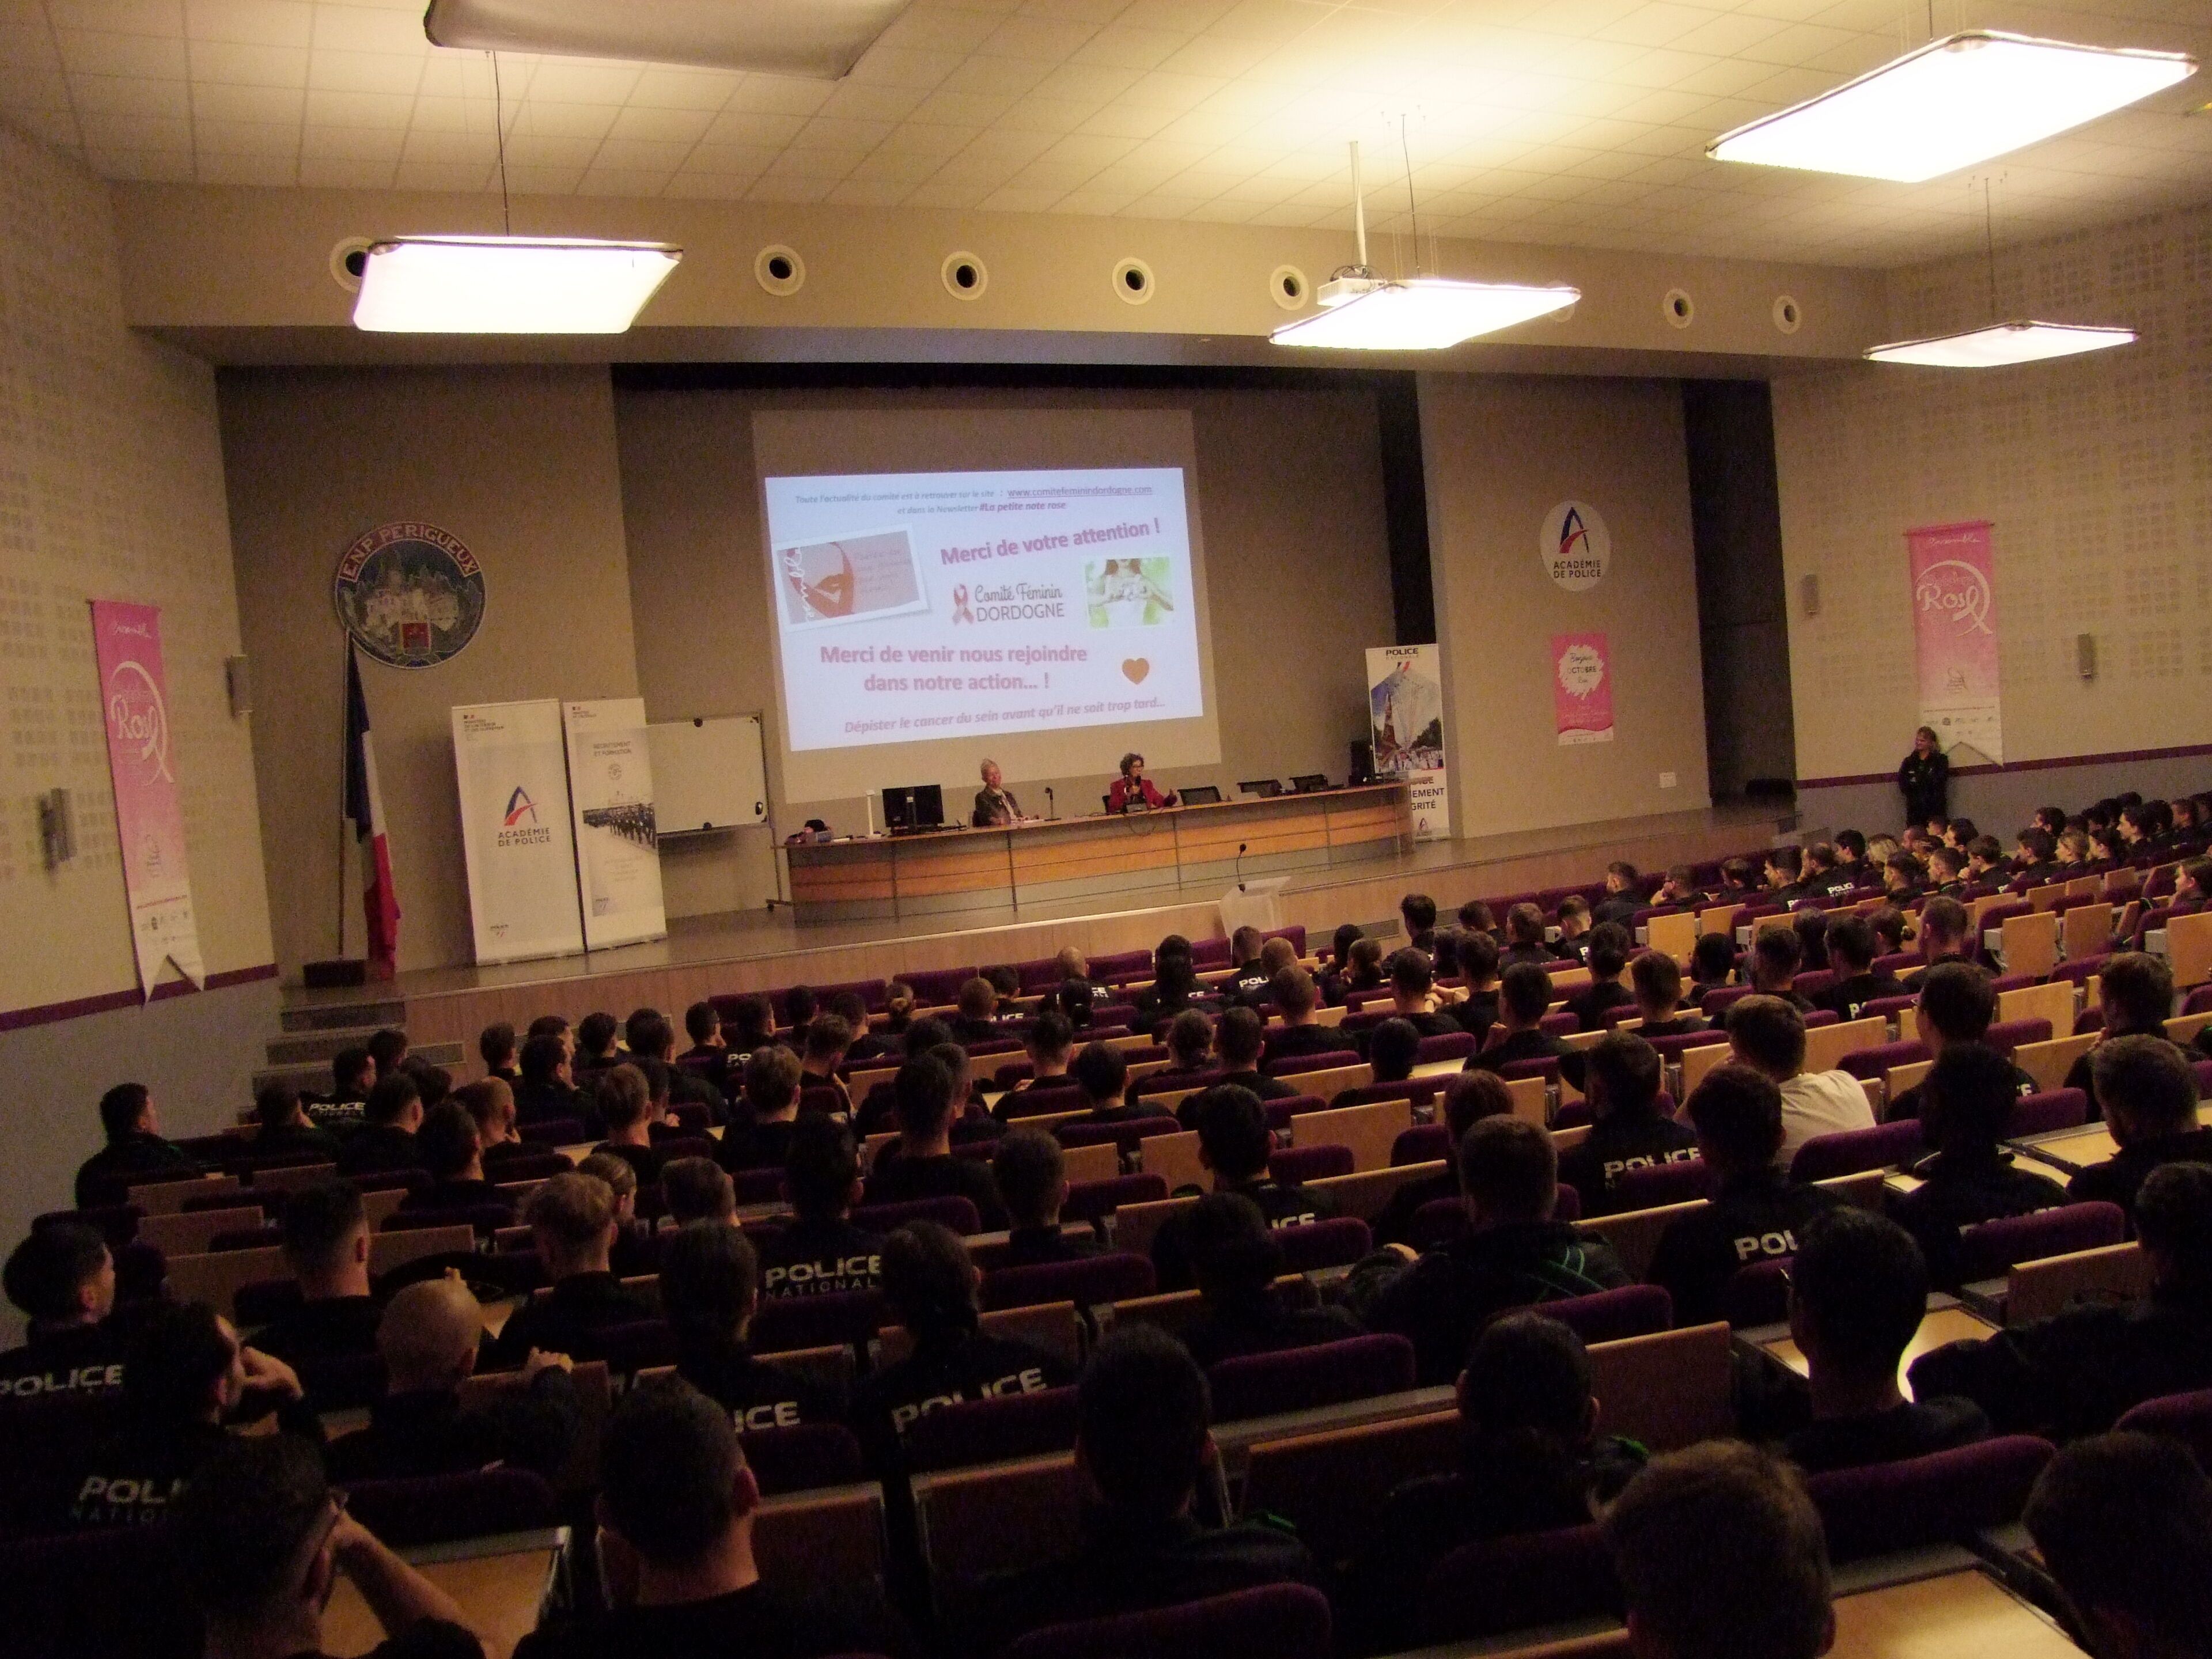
{"type": "Point", "coordinates": [1582, 688]}
{"type": "Point", "coordinates": [149, 816]}
{"type": "Point", "coordinates": [1955, 623]}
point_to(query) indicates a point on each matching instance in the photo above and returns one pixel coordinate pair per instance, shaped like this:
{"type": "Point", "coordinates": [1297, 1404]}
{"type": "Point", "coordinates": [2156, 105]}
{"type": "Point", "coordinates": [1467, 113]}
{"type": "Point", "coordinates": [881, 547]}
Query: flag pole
{"type": "Point", "coordinates": [346, 768]}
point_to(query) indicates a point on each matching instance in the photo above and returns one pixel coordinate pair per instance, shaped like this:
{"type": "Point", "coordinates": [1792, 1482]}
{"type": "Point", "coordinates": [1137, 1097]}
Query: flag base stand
{"type": "Point", "coordinates": [340, 974]}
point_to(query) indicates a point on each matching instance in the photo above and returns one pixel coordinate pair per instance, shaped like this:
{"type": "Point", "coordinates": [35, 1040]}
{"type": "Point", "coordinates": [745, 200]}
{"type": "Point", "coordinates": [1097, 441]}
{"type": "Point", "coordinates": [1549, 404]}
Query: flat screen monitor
{"type": "Point", "coordinates": [898, 808]}
{"type": "Point", "coordinates": [929, 806]}
{"type": "Point", "coordinates": [1199, 794]}
{"type": "Point", "coordinates": [1306, 782]}
{"type": "Point", "coordinates": [1260, 785]}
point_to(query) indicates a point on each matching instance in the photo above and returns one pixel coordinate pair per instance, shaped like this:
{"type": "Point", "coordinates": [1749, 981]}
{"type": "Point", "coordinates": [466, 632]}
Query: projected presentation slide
{"type": "Point", "coordinates": [936, 605]}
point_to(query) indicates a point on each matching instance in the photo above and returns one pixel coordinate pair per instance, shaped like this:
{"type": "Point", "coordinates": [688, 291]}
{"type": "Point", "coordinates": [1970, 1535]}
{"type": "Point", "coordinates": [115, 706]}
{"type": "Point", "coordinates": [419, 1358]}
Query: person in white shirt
{"type": "Point", "coordinates": [1768, 1035]}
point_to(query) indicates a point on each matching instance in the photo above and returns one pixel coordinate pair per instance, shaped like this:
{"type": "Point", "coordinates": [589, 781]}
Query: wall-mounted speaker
{"type": "Point", "coordinates": [963, 276]}
{"type": "Point", "coordinates": [2085, 655]}
{"type": "Point", "coordinates": [1288, 287]}
{"type": "Point", "coordinates": [1679, 309]}
{"type": "Point", "coordinates": [1133, 281]}
{"type": "Point", "coordinates": [238, 679]}
{"type": "Point", "coordinates": [779, 270]}
{"type": "Point", "coordinates": [349, 259]}
{"type": "Point", "coordinates": [1787, 314]}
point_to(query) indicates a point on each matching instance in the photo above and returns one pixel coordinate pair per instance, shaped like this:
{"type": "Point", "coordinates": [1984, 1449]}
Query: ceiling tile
{"type": "Point", "coordinates": [119, 95]}
{"type": "Point", "coordinates": [383, 111]}
{"type": "Point", "coordinates": [260, 105]}
{"type": "Point", "coordinates": [153, 56]}
{"type": "Point", "coordinates": [670, 126]}
{"type": "Point", "coordinates": [251, 22]}
{"type": "Point", "coordinates": [219, 63]}
{"type": "Point", "coordinates": [362, 144]}
{"type": "Point", "coordinates": [213, 138]}
{"type": "Point", "coordinates": [123, 17]}
{"type": "Point", "coordinates": [105, 131]}
{"type": "Point", "coordinates": [218, 167]}
{"type": "Point", "coordinates": [344, 172]}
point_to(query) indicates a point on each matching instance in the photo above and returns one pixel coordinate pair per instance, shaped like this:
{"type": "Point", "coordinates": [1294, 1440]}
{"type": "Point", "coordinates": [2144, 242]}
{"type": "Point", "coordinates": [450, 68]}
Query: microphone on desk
{"type": "Point", "coordinates": [1240, 866]}
{"type": "Point", "coordinates": [1051, 803]}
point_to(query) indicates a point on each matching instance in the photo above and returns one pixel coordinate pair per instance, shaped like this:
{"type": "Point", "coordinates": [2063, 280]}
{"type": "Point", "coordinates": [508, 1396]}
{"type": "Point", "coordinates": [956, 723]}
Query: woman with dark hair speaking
{"type": "Point", "coordinates": [1134, 787]}
{"type": "Point", "coordinates": [1924, 778]}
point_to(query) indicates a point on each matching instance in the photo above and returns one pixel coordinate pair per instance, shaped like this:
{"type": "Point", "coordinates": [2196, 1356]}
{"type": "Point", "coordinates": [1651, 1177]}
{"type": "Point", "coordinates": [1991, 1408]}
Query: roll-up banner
{"type": "Point", "coordinates": [617, 841]}
{"type": "Point", "coordinates": [1582, 688]}
{"type": "Point", "coordinates": [1406, 708]}
{"type": "Point", "coordinates": [515, 831]}
{"type": "Point", "coordinates": [149, 814]}
{"type": "Point", "coordinates": [1954, 633]}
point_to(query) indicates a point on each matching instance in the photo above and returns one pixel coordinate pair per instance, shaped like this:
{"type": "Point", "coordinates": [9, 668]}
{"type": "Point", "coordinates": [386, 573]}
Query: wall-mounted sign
{"type": "Point", "coordinates": [1575, 546]}
{"type": "Point", "coordinates": [410, 594]}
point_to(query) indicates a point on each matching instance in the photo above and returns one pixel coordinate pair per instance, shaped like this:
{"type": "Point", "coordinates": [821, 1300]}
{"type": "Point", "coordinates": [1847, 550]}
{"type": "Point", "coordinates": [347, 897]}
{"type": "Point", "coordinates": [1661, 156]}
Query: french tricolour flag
{"type": "Point", "coordinates": [364, 804]}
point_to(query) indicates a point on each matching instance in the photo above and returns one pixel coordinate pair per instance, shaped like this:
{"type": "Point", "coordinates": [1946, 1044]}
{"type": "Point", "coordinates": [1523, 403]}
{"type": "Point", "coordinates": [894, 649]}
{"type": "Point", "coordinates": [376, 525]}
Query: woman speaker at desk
{"type": "Point", "coordinates": [1132, 788]}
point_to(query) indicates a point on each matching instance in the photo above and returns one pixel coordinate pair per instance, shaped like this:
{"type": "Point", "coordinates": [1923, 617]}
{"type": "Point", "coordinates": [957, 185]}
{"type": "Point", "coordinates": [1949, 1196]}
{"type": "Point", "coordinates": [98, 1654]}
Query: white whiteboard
{"type": "Point", "coordinates": [708, 773]}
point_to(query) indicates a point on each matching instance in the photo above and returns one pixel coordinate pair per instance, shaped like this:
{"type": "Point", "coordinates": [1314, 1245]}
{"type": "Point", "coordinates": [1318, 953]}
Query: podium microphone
{"type": "Point", "coordinates": [1051, 802]}
{"type": "Point", "coordinates": [1240, 866]}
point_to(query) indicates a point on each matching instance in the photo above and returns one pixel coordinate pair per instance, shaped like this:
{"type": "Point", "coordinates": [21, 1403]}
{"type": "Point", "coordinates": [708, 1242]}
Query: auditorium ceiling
{"type": "Point", "coordinates": [1573, 123]}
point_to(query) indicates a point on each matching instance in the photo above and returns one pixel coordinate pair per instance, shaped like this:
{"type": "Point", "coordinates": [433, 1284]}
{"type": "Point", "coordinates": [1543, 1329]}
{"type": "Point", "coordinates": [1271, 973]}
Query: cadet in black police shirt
{"type": "Point", "coordinates": [709, 1289]}
{"type": "Point", "coordinates": [1655, 981]}
{"type": "Point", "coordinates": [283, 1133]}
{"type": "Point", "coordinates": [821, 1253]}
{"type": "Point", "coordinates": [62, 1278]}
{"type": "Point", "coordinates": [1238, 1041]}
{"type": "Point", "coordinates": [1964, 1104]}
{"type": "Point", "coordinates": [1609, 947]}
{"type": "Point", "coordinates": [1852, 948]}
{"type": "Point", "coordinates": [429, 1338]}
{"type": "Point", "coordinates": [1412, 996]}
{"type": "Point", "coordinates": [450, 1152]}
{"type": "Point", "coordinates": [1142, 1442]}
{"type": "Point", "coordinates": [1958, 1001]}
{"type": "Point", "coordinates": [625, 1103]}
{"type": "Point", "coordinates": [573, 1221]}
{"type": "Point", "coordinates": [929, 1286]}
{"type": "Point", "coordinates": [767, 1113]}
{"type": "Point", "coordinates": [326, 1246]}
{"type": "Point", "coordinates": [921, 1163]}
{"type": "Point", "coordinates": [1031, 1172]}
{"type": "Point", "coordinates": [1238, 1258]}
{"type": "Point", "coordinates": [1858, 1289]}
{"type": "Point", "coordinates": [1233, 1142]}
{"type": "Point", "coordinates": [548, 1088]}
{"type": "Point", "coordinates": [1296, 996]}
{"type": "Point", "coordinates": [386, 1140]}
{"type": "Point", "coordinates": [676, 1515]}
{"type": "Point", "coordinates": [134, 1149]}
{"type": "Point", "coordinates": [2137, 995]}
{"type": "Point", "coordinates": [1620, 1077]}
{"type": "Point", "coordinates": [2147, 1089]}
{"type": "Point", "coordinates": [1524, 995]}
{"type": "Point", "coordinates": [1477, 1011]}
{"type": "Point", "coordinates": [1755, 1213]}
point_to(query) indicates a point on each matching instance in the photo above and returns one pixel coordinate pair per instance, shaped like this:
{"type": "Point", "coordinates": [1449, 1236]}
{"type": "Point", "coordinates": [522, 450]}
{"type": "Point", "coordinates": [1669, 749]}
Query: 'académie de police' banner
{"type": "Point", "coordinates": [618, 836]}
{"type": "Point", "coordinates": [149, 816]}
{"type": "Point", "coordinates": [1954, 631]}
{"type": "Point", "coordinates": [516, 834]}
{"type": "Point", "coordinates": [1406, 708]}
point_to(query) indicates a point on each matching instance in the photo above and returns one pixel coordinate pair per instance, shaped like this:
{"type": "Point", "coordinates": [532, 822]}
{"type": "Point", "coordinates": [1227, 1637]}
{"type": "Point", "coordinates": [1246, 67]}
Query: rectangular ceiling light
{"type": "Point", "coordinates": [1952, 103]}
{"type": "Point", "coordinates": [820, 39]}
{"type": "Point", "coordinates": [2002, 344]}
{"type": "Point", "coordinates": [508, 284]}
{"type": "Point", "coordinates": [1422, 313]}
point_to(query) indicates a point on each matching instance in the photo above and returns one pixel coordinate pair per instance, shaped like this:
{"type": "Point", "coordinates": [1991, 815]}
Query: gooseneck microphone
{"type": "Point", "coordinates": [1051, 803]}
{"type": "Point", "coordinates": [1240, 865]}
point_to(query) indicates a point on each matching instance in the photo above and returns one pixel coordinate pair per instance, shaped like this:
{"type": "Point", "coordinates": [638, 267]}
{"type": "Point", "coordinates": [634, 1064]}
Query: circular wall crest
{"type": "Point", "coordinates": [410, 594]}
{"type": "Point", "coordinates": [1575, 546]}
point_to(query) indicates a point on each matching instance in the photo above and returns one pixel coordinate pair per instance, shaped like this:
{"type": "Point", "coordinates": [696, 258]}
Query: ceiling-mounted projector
{"type": "Point", "coordinates": [820, 39]}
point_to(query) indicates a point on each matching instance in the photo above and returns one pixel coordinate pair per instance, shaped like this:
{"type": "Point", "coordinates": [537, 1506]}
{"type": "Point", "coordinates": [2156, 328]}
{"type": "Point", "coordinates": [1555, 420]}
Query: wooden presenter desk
{"type": "Point", "coordinates": [950, 871]}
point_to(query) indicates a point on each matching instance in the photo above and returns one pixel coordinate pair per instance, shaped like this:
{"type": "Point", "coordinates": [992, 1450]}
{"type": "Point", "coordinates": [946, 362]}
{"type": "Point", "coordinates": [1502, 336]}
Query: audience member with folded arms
{"type": "Point", "coordinates": [1414, 997]}
{"type": "Point", "coordinates": [1233, 1146]}
{"type": "Point", "coordinates": [710, 1291]}
{"type": "Point", "coordinates": [1530, 1460]}
{"type": "Point", "coordinates": [920, 1163]}
{"type": "Point", "coordinates": [1756, 1213]}
{"type": "Point", "coordinates": [61, 1279]}
{"type": "Point", "coordinates": [1031, 1172]}
{"type": "Point", "coordinates": [676, 1511]}
{"type": "Point", "coordinates": [261, 1542]}
{"type": "Point", "coordinates": [135, 1150]}
{"type": "Point", "coordinates": [2124, 1523]}
{"type": "Point", "coordinates": [820, 1252]}
{"type": "Point", "coordinates": [1720, 1555]}
{"type": "Point", "coordinates": [2077, 1372]}
{"type": "Point", "coordinates": [1620, 1080]}
{"type": "Point", "coordinates": [1237, 1259]}
{"type": "Point", "coordinates": [1524, 996]}
{"type": "Point", "coordinates": [429, 1338]}
{"type": "Point", "coordinates": [1513, 1253]}
{"type": "Point", "coordinates": [1145, 1451]}
{"type": "Point", "coordinates": [929, 1286]}
{"type": "Point", "coordinates": [1964, 1103]}
{"type": "Point", "coordinates": [1858, 1291]}
{"type": "Point", "coordinates": [2146, 1088]}
{"type": "Point", "coordinates": [1768, 1035]}
{"type": "Point", "coordinates": [572, 1220]}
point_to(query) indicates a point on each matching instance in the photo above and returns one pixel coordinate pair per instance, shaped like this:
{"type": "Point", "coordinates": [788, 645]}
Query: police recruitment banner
{"type": "Point", "coordinates": [617, 842]}
{"type": "Point", "coordinates": [1406, 708]}
{"type": "Point", "coordinates": [149, 816]}
{"type": "Point", "coordinates": [1954, 627]}
{"type": "Point", "coordinates": [515, 831]}
{"type": "Point", "coordinates": [1582, 688]}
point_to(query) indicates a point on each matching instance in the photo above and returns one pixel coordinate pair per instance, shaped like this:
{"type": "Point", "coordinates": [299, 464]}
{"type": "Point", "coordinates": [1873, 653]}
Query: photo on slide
{"type": "Point", "coordinates": [1128, 592]}
{"type": "Point", "coordinates": [852, 579]}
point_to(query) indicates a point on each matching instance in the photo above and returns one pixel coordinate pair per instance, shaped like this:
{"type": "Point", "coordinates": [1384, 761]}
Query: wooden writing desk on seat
{"type": "Point", "coordinates": [1946, 1321]}
{"type": "Point", "coordinates": [952, 870]}
{"type": "Point", "coordinates": [500, 1582]}
{"type": "Point", "coordinates": [2073, 1151]}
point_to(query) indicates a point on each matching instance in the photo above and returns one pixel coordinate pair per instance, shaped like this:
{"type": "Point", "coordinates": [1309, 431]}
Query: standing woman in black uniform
{"type": "Point", "coordinates": [1924, 778]}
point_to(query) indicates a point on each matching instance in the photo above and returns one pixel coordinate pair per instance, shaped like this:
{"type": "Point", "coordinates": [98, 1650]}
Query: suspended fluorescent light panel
{"type": "Point", "coordinates": [2003, 344]}
{"type": "Point", "coordinates": [819, 39]}
{"type": "Point", "coordinates": [508, 284]}
{"type": "Point", "coordinates": [1952, 103]}
{"type": "Point", "coordinates": [1421, 313]}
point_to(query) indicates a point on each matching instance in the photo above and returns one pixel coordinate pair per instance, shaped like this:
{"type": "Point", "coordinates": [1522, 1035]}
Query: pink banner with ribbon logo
{"type": "Point", "coordinates": [149, 815]}
{"type": "Point", "coordinates": [1582, 688]}
{"type": "Point", "coordinates": [1954, 623]}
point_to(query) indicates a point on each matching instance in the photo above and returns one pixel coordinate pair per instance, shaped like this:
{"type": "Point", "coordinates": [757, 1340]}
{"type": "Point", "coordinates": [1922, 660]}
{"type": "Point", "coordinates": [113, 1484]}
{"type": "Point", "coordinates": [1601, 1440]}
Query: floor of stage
{"type": "Point", "coordinates": [750, 936]}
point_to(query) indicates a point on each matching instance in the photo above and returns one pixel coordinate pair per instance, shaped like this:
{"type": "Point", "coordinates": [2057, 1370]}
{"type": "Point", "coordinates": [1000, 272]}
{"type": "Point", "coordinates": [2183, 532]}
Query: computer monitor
{"type": "Point", "coordinates": [1199, 794]}
{"type": "Point", "coordinates": [929, 806]}
{"type": "Point", "coordinates": [898, 808]}
{"type": "Point", "coordinates": [1260, 785]}
{"type": "Point", "coordinates": [1305, 783]}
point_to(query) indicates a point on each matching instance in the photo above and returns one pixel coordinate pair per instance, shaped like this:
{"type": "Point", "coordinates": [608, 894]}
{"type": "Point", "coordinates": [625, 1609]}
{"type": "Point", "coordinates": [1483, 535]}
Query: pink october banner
{"type": "Point", "coordinates": [1582, 688]}
{"type": "Point", "coordinates": [149, 816]}
{"type": "Point", "coordinates": [1954, 625]}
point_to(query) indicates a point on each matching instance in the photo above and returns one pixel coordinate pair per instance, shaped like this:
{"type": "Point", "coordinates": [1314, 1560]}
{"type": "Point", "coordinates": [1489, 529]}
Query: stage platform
{"type": "Point", "coordinates": [763, 949]}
